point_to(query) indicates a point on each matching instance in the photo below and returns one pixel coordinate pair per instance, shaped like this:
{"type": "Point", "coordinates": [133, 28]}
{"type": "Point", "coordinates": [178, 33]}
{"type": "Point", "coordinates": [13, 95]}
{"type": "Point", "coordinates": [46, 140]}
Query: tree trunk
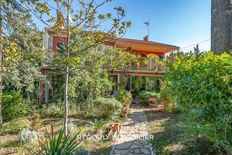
{"type": "Point", "coordinates": [1, 79]}
{"type": "Point", "coordinates": [221, 38]}
{"type": "Point", "coordinates": [1, 85]}
{"type": "Point", "coordinates": [66, 100]}
{"type": "Point", "coordinates": [66, 74]}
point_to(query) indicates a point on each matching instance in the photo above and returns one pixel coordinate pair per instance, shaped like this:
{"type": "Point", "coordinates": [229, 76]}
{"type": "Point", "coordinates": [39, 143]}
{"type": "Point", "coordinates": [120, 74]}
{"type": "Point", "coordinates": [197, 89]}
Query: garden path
{"type": "Point", "coordinates": [134, 138]}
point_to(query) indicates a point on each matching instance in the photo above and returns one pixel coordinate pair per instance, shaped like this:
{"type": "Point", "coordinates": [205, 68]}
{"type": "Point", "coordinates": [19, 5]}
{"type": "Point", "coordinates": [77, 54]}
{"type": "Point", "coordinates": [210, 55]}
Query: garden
{"type": "Point", "coordinates": [188, 109]}
{"type": "Point", "coordinates": [27, 128]}
{"type": "Point", "coordinates": [81, 107]}
{"type": "Point", "coordinates": [196, 92]}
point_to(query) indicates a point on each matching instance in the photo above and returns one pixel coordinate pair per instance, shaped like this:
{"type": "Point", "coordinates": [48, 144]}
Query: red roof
{"type": "Point", "coordinates": [143, 46]}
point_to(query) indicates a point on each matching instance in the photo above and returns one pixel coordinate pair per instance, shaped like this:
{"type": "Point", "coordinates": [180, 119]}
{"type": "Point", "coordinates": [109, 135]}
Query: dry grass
{"type": "Point", "coordinates": [166, 131]}
{"type": "Point", "coordinates": [170, 138]}
{"type": "Point", "coordinates": [10, 143]}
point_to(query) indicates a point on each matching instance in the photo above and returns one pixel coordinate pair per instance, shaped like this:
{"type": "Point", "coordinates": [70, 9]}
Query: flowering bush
{"type": "Point", "coordinates": [145, 95]}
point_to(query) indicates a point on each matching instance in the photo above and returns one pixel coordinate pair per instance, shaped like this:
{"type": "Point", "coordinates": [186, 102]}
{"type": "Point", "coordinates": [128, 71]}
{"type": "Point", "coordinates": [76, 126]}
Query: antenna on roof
{"type": "Point", "coordinates": [148, 28]}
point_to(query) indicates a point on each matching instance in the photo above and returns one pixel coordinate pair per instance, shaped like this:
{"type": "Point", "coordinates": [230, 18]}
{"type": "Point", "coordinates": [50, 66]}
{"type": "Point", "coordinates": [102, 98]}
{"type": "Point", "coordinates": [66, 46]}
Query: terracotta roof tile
{"type": "Point", "coordinates": [145, 46]}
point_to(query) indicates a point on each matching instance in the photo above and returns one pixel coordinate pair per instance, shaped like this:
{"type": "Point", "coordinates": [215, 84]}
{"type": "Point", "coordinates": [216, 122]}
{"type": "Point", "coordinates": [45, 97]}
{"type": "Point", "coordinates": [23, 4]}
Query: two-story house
{"type": "Point", "coordinates": [146, 48]}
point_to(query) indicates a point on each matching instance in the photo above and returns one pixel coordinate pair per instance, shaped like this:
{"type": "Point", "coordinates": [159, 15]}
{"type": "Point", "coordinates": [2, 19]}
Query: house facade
{"type": "Point", "coordinates": [150, 73]}
{"type": "Point", "coordinates": [130, 78]}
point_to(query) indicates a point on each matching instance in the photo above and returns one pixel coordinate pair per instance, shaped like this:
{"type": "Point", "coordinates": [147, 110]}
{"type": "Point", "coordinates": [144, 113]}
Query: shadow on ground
{"type": "Point", "coordinates": [170, 138]}
{"type": "Point", "coordinates": [134, 138]}
{"type": "Point", "coordinates": [122, 149]}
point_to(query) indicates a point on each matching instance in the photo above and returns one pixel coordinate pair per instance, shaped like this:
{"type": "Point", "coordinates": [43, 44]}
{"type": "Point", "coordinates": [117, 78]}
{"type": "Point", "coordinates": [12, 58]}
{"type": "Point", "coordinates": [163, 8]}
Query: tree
{"type": "Point", "coordinates": [3, 12]}
{"type": "Point", "coordinates": [196, 50]}
{"type": "Point", "coordinates": [89, 78]}
{"type": "Point", "coordinates": [21, 49]}
{"type": "Point", "coordinates": [221, 26]}
{"type": "Point", "coordinates": [86, 25]}
{"type": "Point", "coordinates": [200, 85]}
{"type": "Point", "coordinates": [1, 41]}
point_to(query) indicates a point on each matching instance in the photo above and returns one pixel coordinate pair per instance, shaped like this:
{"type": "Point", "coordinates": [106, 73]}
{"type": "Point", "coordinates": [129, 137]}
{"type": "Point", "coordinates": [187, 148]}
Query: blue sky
{"type": "Point", "coordinates": [179, 22]}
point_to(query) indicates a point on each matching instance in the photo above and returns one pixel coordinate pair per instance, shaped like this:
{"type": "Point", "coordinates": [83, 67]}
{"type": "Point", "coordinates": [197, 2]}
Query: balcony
{"type": "Point", "coordinates": [148, 70]}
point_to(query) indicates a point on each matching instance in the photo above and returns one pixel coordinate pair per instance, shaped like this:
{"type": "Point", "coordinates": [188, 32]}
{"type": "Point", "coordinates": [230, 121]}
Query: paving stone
{"type": "Point", "coordinates": [134, 146]}
{"type": "Point", "coordinates": [121, 152]}
{"type": "Point", "coordinates": [146, 151]}
{"type": "Point", "coordinates": [147, 146]}
{"type": "Point", "coordinates": [135, 151]}
{"type": "Point", "coordinates": [123, 145]}
{"type": "Point", "coordinates": [134, 138]}
{"type": "Point", "coordinates": [145, 142]}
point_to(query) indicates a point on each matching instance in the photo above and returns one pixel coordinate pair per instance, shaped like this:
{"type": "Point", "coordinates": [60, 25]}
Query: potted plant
{"type": "Point", "coordinates": [161, 66]}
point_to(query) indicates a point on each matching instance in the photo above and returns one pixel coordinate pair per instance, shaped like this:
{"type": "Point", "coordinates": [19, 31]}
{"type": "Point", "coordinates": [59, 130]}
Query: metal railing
{"type": "Point", "coordinates": [154, 68]}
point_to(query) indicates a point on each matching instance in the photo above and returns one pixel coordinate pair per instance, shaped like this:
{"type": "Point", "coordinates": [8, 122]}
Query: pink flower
{"type": "Point", "coordinates": [151, 99]}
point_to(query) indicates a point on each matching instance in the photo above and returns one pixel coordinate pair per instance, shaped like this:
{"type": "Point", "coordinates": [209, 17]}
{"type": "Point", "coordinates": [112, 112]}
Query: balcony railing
{"type": "Point", "coordinates": [156, 68]}
{"type": "Point", "coordinates": [150, 67]}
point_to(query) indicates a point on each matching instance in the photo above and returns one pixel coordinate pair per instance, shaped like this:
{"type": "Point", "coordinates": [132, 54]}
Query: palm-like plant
{"type": "Point", "coordinates": [58, 145]}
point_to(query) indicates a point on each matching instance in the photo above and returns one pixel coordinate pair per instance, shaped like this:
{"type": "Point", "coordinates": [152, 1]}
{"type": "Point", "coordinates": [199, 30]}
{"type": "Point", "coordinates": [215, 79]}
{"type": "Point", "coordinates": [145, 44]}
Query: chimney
{"type": "Point", "coordinates": [146, 38]}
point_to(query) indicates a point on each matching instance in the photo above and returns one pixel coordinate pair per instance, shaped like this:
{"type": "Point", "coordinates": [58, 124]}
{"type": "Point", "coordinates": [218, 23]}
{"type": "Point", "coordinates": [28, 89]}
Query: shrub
{"type": "Point", "coordinates": [106, 107]}
{"type": "Point", "coordinates": [201, 86]}
{"type": "Point", "coordinates": [166, 98]}
{"type": "Point", "coordinates": [145, 95]}
{"type": "Point", "coordinates": [15, 125]}
{"type": "Point", "coordinates": [98, 125]}
{"type": "Point", "coordinates": [202, 145]}
{"type": "Point", "coordinates": [52, 110]}
{"type": "Point", "coordinates": [36, 122]}
{"type": "Point", "coordinates": [88, 85]}
{"type": "Point", "coordinates": [137, 83]}
{"type": "Point", "coordinates": [125, 97]}
{"type": "Point", "coordinates": [14, 106]}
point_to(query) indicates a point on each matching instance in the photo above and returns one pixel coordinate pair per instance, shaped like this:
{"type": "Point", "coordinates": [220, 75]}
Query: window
{"type": "Point", "coordinates": [60, 48]}
{"type": "Point", "coordinates": [49, 42]}
{"type": "Point", "coordinates": [151, 64]}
